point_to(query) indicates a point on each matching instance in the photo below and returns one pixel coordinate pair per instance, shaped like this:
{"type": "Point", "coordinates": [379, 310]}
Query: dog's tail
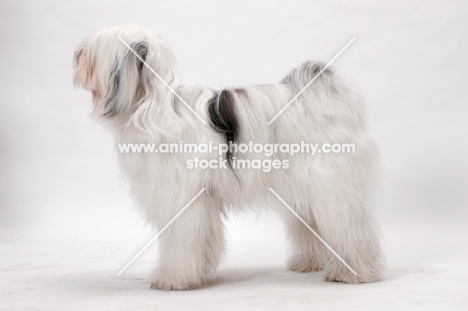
{"type": "Point", "coordinates": [308, 71]}
{"type": "Point", "coordinates": [324, 96]}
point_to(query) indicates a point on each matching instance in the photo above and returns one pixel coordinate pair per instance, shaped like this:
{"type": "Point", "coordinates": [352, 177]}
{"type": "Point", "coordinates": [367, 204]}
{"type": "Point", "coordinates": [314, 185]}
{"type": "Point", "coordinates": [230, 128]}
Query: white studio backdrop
{"type": "Point", "coordinates": [58, 172]}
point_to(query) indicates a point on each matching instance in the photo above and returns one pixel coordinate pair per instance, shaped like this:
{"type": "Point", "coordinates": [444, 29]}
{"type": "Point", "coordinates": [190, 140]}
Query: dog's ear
{"type": "Point", "coordinates": [127, 81]}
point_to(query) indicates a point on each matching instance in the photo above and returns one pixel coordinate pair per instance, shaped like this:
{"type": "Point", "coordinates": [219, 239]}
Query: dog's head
{"type": "Point", "coordinates": [111, 64]}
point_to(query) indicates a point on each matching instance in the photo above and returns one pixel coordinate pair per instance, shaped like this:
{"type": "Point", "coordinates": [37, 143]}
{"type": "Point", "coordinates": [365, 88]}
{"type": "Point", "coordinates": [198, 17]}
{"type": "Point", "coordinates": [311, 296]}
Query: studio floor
{"type": "Point", "coordinates": [425, 271]}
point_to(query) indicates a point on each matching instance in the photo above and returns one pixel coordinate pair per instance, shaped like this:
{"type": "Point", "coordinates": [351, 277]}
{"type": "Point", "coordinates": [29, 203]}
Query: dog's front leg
{"type": "Point", "coordinates": [190, 249]}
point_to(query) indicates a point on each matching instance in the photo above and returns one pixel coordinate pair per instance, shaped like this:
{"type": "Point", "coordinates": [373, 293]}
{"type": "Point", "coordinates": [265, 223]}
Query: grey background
{"type": "Point", "coordinates": [58, 173]}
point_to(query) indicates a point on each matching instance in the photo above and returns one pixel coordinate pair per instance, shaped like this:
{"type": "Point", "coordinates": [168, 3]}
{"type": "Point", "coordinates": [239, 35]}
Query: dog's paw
{"type": "Point", "coordinates": [304, 264]}
{"type": "Point", "coordinates": [168, 285]}
{"type": "Point", "coordinates": [344, 275]}
{"type": "Point", "coordinates": [177, 281]}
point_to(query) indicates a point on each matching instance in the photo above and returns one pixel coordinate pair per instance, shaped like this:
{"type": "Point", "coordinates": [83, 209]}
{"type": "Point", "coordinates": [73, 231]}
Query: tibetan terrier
{"type": "Point", "coordinates": [138, 95]}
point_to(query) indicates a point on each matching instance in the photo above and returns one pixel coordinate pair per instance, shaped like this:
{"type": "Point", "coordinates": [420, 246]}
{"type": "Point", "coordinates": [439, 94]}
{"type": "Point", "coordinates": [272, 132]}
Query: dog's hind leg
{"type": "Point", "coordinates": [190, 248]}
{"type": "Point", "coordinates": [347, 224]}
{"type": "Point", "coordinates": [308, 254]}
{"type": "Point", "coordinates": [351, 235]}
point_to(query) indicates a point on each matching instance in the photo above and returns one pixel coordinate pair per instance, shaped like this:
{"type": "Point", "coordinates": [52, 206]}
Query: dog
{"type": "Point", "coordinates": [138, 95]}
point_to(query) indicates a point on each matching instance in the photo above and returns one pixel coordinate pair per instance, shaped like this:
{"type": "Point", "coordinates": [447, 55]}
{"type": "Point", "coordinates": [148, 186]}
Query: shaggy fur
{"type": "Point", "coordinates": [329, 191]}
